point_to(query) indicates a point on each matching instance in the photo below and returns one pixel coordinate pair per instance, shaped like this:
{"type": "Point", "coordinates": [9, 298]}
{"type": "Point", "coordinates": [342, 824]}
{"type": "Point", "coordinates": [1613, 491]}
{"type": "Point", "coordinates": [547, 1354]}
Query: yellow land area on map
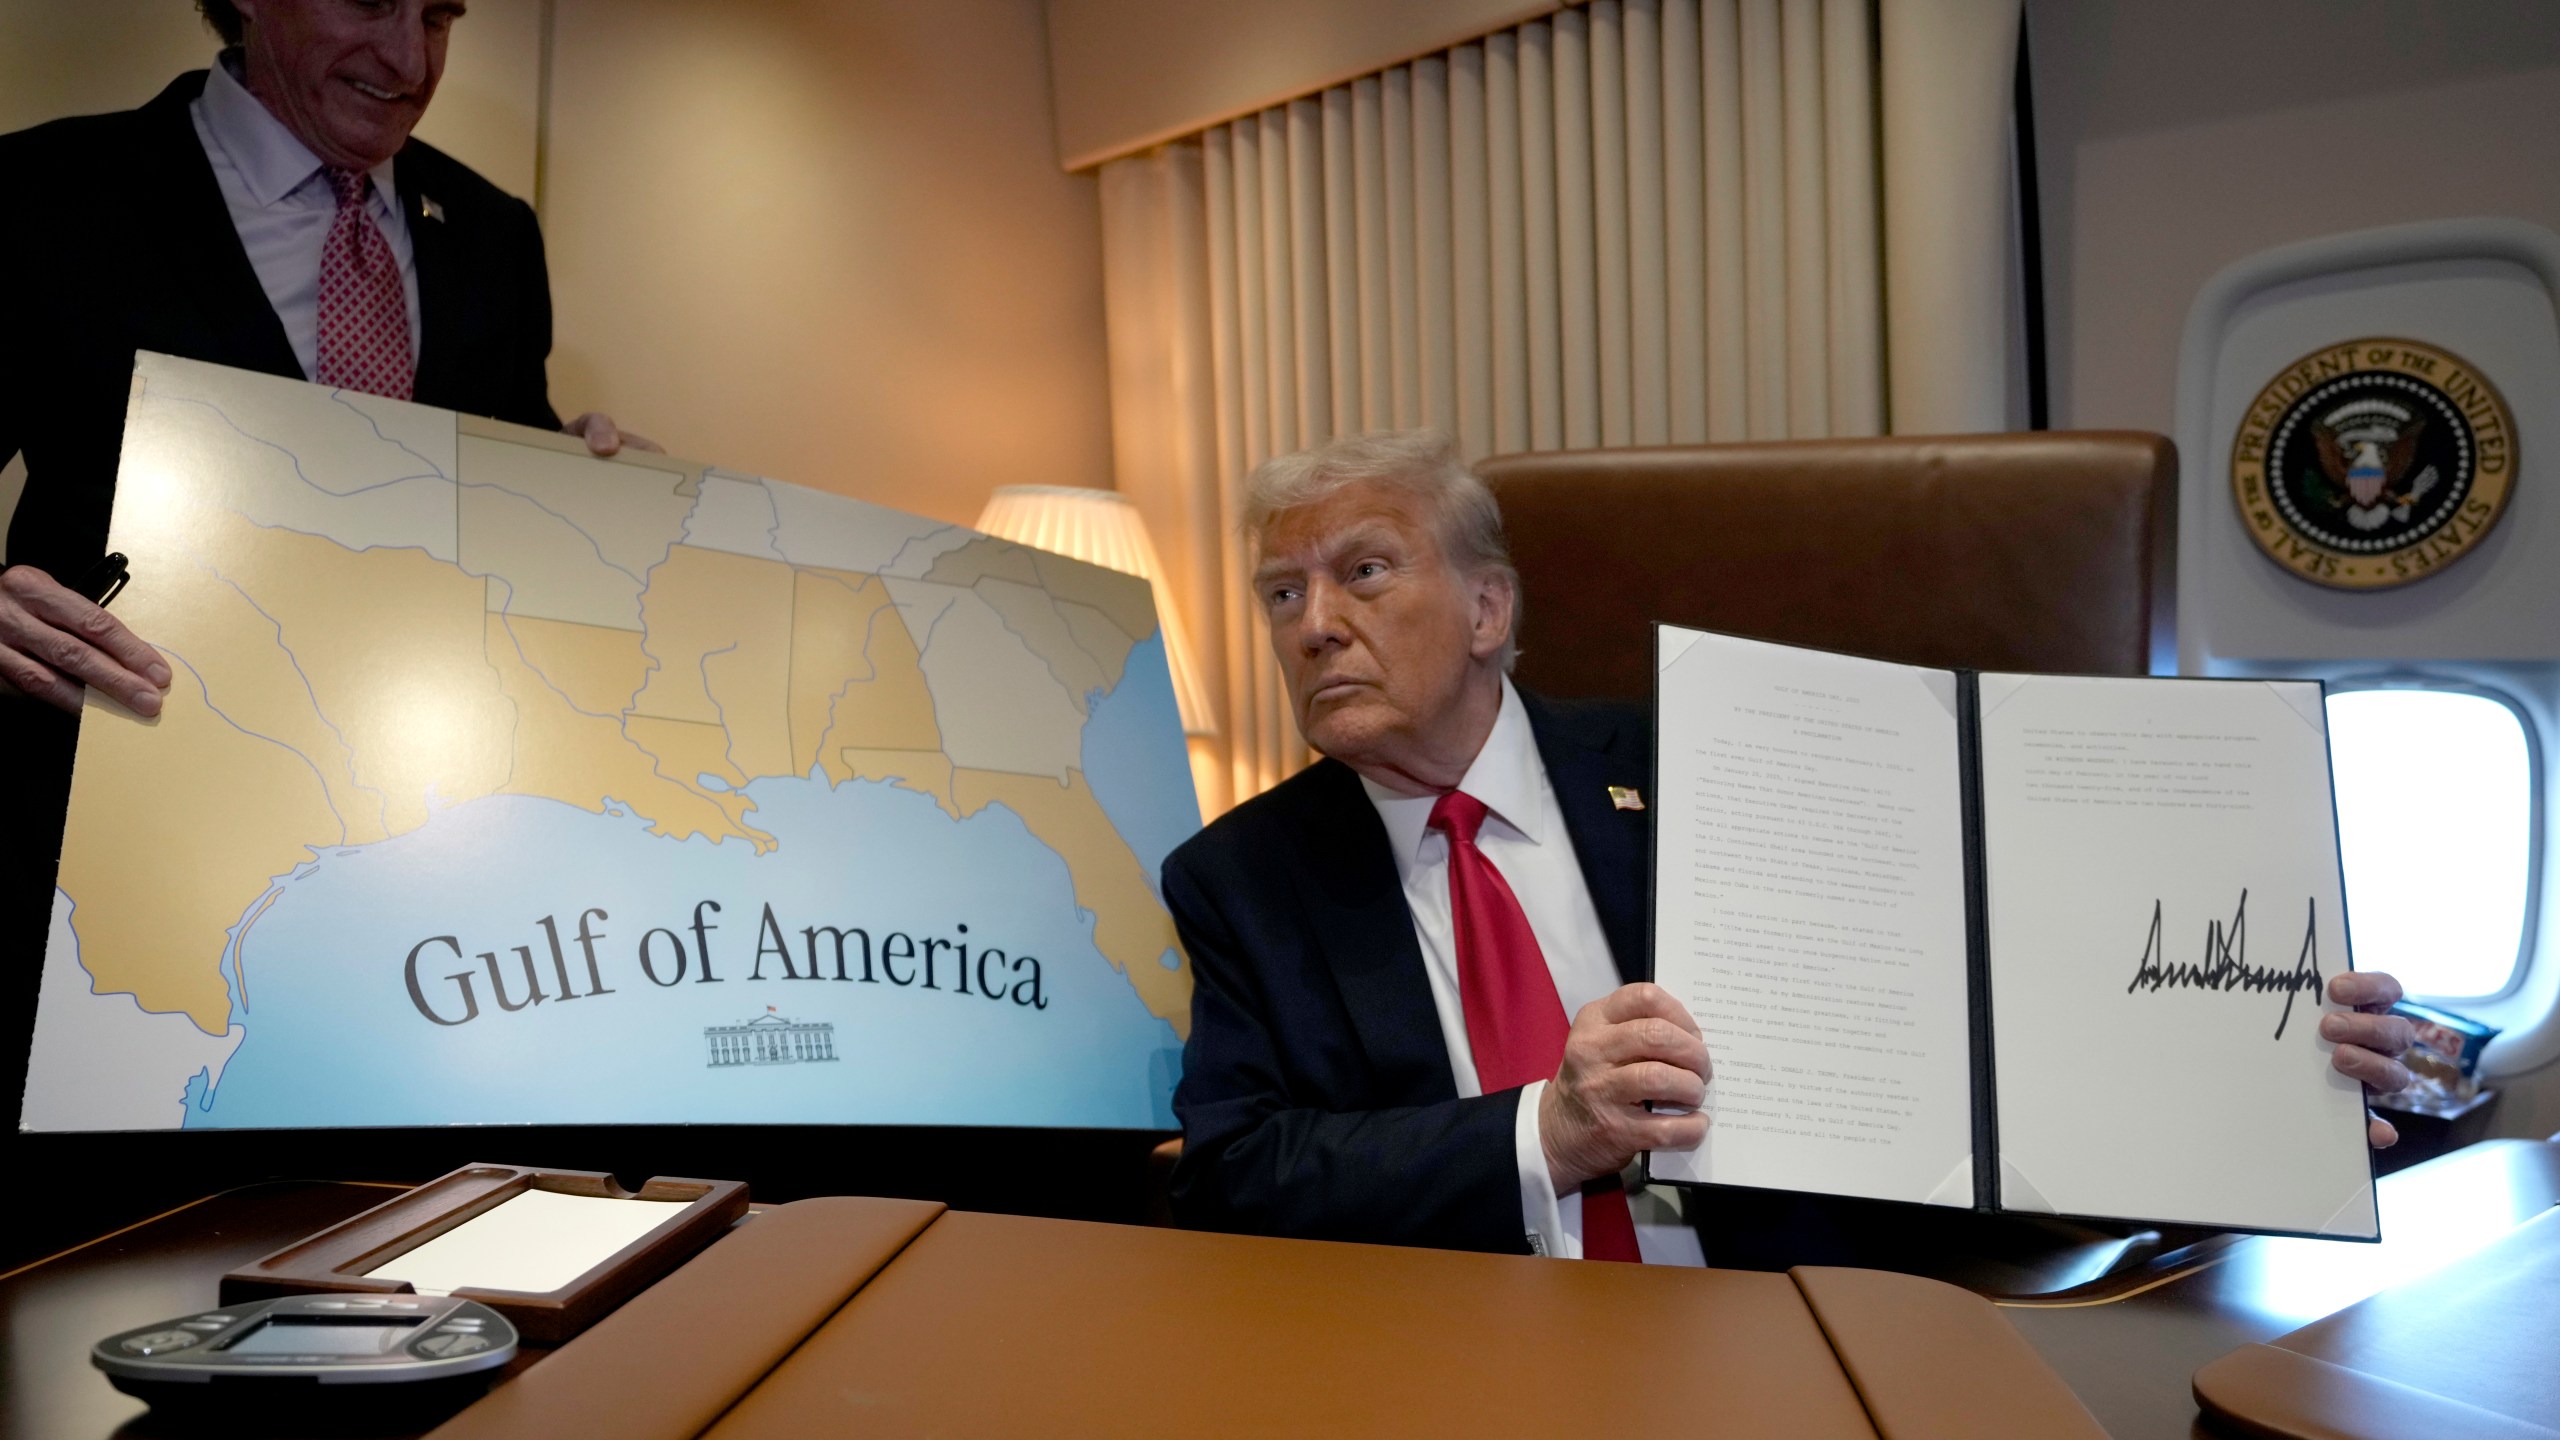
{"type": "Point", "coordinates": [331, 696]}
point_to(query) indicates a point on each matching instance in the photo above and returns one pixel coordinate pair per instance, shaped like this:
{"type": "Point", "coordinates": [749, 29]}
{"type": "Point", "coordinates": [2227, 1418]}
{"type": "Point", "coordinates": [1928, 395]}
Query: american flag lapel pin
{"type": "Point", "coordinates": [1626, 797]}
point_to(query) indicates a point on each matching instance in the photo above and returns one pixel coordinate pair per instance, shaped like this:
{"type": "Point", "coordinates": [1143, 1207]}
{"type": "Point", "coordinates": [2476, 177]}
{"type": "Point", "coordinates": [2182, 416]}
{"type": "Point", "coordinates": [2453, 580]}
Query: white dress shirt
{"type": "Point", "coordinates": [282, 206]}
{"type": "Point", "coordinates": [1525, 838]}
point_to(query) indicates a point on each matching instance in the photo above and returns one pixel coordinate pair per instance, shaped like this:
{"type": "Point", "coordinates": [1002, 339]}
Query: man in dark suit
{"type": "Point", "coordinates": [196, 226]}
{"type": "Point", "coordinates": [272, 214]}
{"type": "Point", "coordinates": [1356, 933]}
{"type": "Point", "coordinates": [1337, 1082]}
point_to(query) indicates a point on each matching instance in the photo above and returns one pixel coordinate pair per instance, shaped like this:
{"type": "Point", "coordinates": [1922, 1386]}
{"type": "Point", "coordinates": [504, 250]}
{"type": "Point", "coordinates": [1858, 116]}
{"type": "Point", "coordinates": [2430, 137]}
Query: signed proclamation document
{"type": "Point", "coordinates": [2009, 942]}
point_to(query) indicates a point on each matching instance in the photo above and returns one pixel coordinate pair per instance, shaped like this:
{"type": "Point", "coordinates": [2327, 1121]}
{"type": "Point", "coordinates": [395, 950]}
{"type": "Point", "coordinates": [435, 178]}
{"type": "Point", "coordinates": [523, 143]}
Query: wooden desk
{"type": "Point", "coordinates": [897, 1317]}
{"type": "Point", "coordinates": [53, 1310]}
{"type": "Point", "coordinates": [976, 1324]}
{"type": "Point", "coordinates": [2128, 1355]}
{"type": "Point", "coordinates": [2128, 1348]}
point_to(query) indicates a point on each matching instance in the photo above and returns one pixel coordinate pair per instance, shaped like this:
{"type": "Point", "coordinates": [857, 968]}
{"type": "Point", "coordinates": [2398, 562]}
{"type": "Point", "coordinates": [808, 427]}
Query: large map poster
{"type": "Point", "coordinates": [502, 784]}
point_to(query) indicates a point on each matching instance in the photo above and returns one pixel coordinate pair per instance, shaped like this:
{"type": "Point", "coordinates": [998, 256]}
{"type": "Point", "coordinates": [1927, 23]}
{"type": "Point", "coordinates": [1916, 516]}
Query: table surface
{"type": "Point", "coordinates": [53, 1310]}
{"type": "Point", "coordinates": [2127, 1348]}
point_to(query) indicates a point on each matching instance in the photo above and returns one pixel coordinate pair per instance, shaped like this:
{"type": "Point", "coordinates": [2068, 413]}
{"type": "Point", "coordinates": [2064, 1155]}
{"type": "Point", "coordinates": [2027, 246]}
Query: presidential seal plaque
{"type": "Point", "coordinates": [2372, 463]}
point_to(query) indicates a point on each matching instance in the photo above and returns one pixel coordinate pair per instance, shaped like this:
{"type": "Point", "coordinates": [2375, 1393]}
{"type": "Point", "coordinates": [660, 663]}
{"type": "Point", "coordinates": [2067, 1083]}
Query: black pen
{"type": "Point", "coordinates": [105, 579]}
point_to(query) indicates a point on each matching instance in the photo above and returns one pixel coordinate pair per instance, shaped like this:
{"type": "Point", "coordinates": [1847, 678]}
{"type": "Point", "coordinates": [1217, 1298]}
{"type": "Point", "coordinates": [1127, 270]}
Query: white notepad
{"type": "Point", "coordinates": [538, 1241]}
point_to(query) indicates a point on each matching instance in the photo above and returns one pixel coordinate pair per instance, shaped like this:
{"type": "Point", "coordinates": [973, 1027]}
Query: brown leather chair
{"type": "Point", "coordinates": [2049, 551]}
{"type": "Point", "coordinates": [2046, 552]}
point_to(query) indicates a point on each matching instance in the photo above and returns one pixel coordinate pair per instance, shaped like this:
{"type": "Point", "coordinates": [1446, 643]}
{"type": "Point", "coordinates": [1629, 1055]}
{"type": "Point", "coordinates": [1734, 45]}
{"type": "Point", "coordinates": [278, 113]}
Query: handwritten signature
{"type": "Point", "coordinates": [2226, 966]}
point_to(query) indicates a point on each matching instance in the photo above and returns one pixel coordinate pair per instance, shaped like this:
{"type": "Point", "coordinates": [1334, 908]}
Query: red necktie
{"type": "Point", "coordinates": [364, 309]}
{"type": "Point", "coordinates": [1515, 1023]}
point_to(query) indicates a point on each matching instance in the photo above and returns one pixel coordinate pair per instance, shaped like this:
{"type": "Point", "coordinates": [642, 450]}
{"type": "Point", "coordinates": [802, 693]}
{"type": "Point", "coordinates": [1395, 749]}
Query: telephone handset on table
{"type": "Point", "coordinates": [399, 1348]}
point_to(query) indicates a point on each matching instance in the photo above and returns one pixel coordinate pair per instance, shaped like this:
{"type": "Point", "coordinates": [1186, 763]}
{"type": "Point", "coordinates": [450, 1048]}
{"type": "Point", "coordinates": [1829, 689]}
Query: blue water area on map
{"type": "Point", "coordinates": [334, 1036]}
{"type": "Point", "coordinates": [1137, 762]}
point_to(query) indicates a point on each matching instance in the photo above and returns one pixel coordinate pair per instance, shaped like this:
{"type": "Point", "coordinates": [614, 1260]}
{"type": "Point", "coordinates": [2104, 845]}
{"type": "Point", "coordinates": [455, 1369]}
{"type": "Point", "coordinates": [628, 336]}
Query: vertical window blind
{"type": "Point", "coordinates": [1637, 222]}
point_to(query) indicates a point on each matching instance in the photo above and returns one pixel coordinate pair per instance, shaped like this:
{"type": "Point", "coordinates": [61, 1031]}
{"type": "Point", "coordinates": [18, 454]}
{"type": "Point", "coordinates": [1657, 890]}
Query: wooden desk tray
{"type": "Point", "coordinates": [338, 1257]}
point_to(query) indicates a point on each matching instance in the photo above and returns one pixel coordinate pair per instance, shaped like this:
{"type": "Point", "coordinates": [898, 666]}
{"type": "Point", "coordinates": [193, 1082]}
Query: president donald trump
{"type": "Point", "coordinates": [1421, 1013]}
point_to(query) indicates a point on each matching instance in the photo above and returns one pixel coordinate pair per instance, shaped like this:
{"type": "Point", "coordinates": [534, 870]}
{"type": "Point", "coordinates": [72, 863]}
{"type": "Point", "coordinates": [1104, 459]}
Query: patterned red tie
{"type": "Point", "coordinates": [1515, 1022]}
{"type": "Point", "coordinates": [364, 310]}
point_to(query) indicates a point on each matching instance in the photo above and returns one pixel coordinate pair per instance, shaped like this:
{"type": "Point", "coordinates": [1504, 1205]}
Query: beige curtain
{"type": "Point", "coordinates": [1952, 237]}
{"type": "Point", "coordinates": [1638, 222]}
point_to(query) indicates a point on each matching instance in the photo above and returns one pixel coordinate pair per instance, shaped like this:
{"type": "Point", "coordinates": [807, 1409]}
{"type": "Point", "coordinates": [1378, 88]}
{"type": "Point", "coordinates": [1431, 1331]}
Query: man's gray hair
{"type": "Point", "coordinates": [1426, 464]}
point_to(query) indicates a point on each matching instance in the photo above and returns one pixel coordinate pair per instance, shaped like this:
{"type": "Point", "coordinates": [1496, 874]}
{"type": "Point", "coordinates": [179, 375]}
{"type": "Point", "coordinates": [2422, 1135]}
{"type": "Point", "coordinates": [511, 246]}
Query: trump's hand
{"type": "Point", "coordinates": [603, 437]}
{"type": "Point", "coordinates": [2370, 1041]}
{"type": "Point", "coordinates": [1632, 1045]}
{"type": "Point", "coordinates": [53, 642]}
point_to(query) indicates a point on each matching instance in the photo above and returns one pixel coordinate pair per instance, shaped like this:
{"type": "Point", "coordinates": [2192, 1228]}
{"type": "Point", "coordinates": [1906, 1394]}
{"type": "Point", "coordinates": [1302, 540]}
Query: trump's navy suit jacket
{"type": "Point", "coordinates": [1316, 1096]}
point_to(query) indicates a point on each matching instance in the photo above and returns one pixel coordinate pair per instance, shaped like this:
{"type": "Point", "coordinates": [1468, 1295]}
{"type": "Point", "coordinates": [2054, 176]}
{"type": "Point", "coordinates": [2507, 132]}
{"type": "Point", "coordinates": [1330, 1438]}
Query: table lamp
{"type": "Point", "coordinates": [1103, 528]}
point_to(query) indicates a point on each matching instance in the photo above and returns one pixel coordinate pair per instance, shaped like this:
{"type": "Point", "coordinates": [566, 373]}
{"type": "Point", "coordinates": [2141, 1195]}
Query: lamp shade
{"type": "Point", "coordinates": [1103, 528]}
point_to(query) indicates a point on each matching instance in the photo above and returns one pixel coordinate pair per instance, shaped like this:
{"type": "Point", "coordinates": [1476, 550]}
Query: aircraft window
{"type": "Point", "coordinates": [2435, 822]}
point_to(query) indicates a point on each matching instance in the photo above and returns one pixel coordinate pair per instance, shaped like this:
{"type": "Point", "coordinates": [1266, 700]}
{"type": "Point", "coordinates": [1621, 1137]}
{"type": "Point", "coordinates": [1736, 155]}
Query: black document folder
{"type": "Point", "coordinates": [2051, 944]}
